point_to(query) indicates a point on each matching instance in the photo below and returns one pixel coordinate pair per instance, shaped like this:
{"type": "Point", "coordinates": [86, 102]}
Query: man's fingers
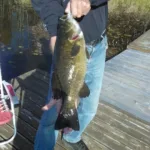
{"type": "Point", "coordinates": [52, 43]}
{"type": "Point", "coordinates": [67, 130]}
{"type": "Point", "coordinates": [74, 8]}
{"type": "Point", "coordinates": [49, 105]}
{"type": "Point", "coordinates": [86, 8]}
{"type": "Point", "coordinates": [79, 9]}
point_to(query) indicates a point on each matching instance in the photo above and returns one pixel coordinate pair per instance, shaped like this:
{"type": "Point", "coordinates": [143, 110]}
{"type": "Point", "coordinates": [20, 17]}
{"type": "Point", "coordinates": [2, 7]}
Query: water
{"type": "Point", "coordinates": [24, 43]}
{"type": "Point", "coordinates": [21, 48]}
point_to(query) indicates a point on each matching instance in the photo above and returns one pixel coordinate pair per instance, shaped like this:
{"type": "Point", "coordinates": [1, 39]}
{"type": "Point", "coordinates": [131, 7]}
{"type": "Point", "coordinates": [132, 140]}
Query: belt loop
{"type": "Point", "coordinates": [93, 43]}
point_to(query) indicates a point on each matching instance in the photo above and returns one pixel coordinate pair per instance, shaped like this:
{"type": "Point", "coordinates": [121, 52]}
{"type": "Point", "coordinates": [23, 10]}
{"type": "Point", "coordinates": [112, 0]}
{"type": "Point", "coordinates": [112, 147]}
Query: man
{"type": "Point", "coordinates": [92, 16]}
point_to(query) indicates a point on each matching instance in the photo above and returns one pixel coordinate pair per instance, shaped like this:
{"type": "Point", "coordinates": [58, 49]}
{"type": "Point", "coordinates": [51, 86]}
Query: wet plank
{"type": "Point", "coordinates": [142, 43]}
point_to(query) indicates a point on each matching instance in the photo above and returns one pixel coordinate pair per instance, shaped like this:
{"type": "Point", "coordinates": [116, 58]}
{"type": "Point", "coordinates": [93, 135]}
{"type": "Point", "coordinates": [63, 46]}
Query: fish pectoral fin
{"type": "Point", "coordinates": [56, 87]}
{"type": "Point", "coordinates": [84, 92]}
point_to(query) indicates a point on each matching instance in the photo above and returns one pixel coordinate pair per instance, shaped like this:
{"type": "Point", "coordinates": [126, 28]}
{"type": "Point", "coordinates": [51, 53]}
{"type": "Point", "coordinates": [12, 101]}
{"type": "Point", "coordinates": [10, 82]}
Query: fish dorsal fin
{"type": "Point", "coordinates": [75, 49]}
{"type": "Point", "coordinates": [84, 92]}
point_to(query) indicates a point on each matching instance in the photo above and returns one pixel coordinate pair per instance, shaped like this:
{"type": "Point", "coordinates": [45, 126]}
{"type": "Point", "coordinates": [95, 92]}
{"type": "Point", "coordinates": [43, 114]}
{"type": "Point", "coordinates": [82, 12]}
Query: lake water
{"type": "Point", "coordinates": [24, 43]}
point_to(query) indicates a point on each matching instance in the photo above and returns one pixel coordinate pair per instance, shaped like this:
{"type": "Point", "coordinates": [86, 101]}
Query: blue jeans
{"type": "Point", "coordinates": [46, 135]}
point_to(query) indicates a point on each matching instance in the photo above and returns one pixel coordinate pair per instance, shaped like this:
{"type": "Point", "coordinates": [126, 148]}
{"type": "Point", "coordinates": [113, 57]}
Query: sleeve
{"type": "Point", "coordinates": [97, 2]}
{"type": "Point", "coordinates": [49, 11]}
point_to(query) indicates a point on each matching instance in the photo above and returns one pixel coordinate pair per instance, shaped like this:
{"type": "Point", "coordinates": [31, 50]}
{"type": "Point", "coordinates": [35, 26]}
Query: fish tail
{"type": "Point", "coordinates": [67, 119]}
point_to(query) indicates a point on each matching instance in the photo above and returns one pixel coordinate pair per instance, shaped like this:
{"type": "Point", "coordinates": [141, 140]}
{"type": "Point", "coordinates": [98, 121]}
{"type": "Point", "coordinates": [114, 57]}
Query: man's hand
{"type": "Point", "coordinates": [58, 104]}
{"type": "Point", "coordinates": [52, 43]}
{"type": "Point", "coordinates": [78, 8]}
{"type": "Point", "coordinates": [51, 103]}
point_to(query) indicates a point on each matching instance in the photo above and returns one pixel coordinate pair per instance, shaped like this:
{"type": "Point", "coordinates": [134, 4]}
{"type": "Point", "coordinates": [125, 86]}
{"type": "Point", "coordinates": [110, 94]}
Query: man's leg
{"type": "Point", "coordinates": [88, 106]}
{"type": "Point", "coordinates": [46, 135]}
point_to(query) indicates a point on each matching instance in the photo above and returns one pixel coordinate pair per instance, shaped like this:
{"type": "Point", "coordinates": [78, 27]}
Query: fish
{"type": "Point", "coordinates": [69, 70]}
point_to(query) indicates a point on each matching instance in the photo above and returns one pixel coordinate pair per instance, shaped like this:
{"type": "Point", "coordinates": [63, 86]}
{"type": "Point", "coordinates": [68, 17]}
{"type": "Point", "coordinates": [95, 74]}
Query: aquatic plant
{"type": "Point", "coordinates": [128, 19]}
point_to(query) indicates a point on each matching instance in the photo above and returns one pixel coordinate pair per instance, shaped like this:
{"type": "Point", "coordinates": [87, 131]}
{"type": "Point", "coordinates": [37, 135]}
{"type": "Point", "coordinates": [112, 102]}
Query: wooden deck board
{"type": "Point", "coordinates": [110, 129]}
{"type": "Point", "coordinates": [8, 146]}
{"type": "Point", "coordinates": [20, 141]}
{"type": "Point", "coordinates": [124, 127]}
{"type": "Point", "coordinates": [142, 43]}
{"type": "Point", "coordinates": [126, 83]}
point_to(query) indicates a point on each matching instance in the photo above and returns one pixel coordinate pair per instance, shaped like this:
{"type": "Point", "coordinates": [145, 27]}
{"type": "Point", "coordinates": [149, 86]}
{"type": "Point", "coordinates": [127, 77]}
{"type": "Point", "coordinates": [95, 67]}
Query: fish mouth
{"type": "Point", "coordinates": [65, 17]}
{"type": "Point", "coordinates": [75, 26]}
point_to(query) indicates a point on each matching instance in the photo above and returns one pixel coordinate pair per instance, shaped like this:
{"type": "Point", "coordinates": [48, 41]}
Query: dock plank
{"type": "Point", "coordinates": [129, 70]}
{"type": "Point", "coordinates": [117, 122]}
{"type": "Point", "coordinates": [94, 132]}
{"type": "Point", "coordinates": [107, 131]}
{"type": "Point", "coordinates": [123, 116]}
{"type": "Point", "coordinates": [142, 43]}
{"type": "Point", "coordinates": [40, 88]}
{"type": "Point", "coordinates": [19, 142]}
{"type": "Point", "coordinates": [125, 128]}
{"type": "Point", "coordinates": [118, 135]}
{"type": "Point", "coordinates": [109, 142]}
{"type": "Point", "coordinates": [127, 82]}
{"type": "Point", "coordinates": [93, 144]}
{"type": "Point", "coordinates": [6, 147]}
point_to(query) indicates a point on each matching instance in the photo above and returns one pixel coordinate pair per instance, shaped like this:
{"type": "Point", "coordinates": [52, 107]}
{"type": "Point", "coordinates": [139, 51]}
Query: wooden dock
{"type": "Point", "coordinates": [122, 121]}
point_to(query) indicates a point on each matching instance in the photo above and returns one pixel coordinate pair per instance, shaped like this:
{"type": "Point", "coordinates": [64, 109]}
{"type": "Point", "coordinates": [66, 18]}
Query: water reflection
{"type": "Point", "coordinates": [21, 47]}
{"type": "Point", "coordinates": [24, 42]}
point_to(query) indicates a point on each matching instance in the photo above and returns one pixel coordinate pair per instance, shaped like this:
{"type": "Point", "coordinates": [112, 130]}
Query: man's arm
{"type": "Point", "coordinates": [49, 11]}
{"type": "Point", "coordinates": [97, 2]}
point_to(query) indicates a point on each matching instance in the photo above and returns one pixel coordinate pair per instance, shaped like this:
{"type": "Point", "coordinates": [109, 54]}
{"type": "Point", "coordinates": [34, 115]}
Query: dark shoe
{"type": "Point", "coordinates": [75, 146]}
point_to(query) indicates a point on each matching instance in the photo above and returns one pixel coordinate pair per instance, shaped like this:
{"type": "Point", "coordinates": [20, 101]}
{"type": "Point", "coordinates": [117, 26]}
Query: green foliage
{"type": "Point", "coordinates": [137, 6]}
{"type": "Point", "coordinates": [128, 19]}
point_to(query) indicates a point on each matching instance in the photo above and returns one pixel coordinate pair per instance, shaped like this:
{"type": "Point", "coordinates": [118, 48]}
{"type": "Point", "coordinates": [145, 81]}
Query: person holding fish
{"type": "Point", "coordinates": [78, 42]}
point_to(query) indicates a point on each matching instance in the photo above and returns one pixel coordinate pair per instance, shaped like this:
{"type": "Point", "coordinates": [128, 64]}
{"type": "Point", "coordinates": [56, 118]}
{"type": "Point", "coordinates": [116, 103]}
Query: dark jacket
{"type": "Point", "coordinates": [92, 25]}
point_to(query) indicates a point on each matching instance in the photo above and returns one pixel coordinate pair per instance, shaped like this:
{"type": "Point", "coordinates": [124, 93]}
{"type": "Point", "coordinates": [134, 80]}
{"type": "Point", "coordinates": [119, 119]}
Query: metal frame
{"type": "Point", "coordinates": [3, 100]}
